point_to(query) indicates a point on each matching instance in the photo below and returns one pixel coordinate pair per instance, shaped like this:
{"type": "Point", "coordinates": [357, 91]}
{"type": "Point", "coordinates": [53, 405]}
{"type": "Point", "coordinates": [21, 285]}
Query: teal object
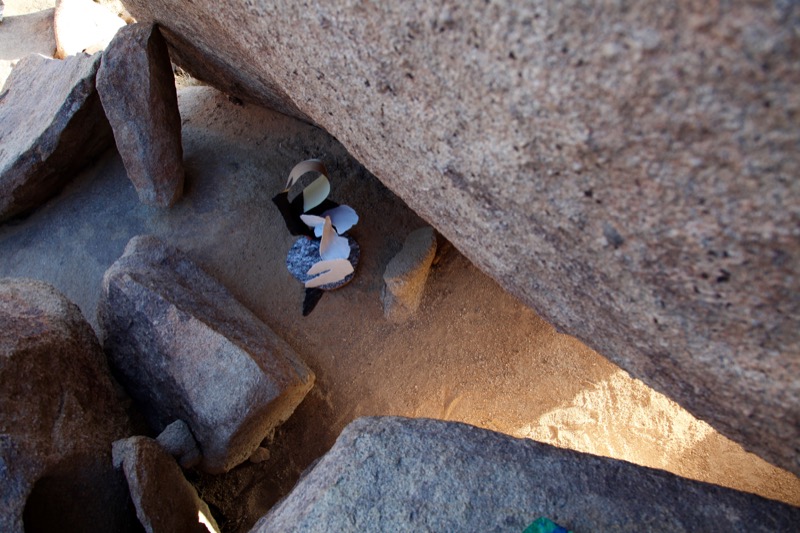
{"type": "Point", "coordinates": [545, 525]}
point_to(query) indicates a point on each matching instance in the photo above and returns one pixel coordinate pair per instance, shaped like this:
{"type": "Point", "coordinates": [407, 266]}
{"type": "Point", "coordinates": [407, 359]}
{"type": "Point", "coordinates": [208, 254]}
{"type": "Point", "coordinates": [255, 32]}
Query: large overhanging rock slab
{"type": "Point", "coordinates": [59, 414]}
{"type": "Point", "coordinates": [626, 169]}
{"type": "Point", "coordinates": [395, 474]}
{"type": "Point", "coordinates": [51, 124]}
{"type": "Point", "coordinates": [186, 349]}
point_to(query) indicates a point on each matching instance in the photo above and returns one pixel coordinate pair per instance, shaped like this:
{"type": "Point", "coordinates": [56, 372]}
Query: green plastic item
{"type": "Point", "coordinates": [545, 525]}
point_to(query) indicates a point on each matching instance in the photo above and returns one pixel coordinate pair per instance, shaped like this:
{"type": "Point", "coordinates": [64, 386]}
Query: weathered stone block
{"type": "Point", "coordinates": [406, 274]}
{"type": "Point", "coordinates": [186, 349]}
{"type": "Point", "coordinates": [51, 124]}
{"type": "Point", "coordinates": [396, 474]}
{"type": "Point", "coordinates": [165, 502]}
{"type": "Point", "coordinates": [137, 88]}
{"type": "Point", "coordinates": [59, 414]}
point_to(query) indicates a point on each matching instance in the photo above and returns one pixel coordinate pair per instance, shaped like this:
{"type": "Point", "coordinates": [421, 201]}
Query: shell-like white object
{"type": "Point", "coordinates": [332, 246]}
{"type": "Point", "coordinates": [331, 271]}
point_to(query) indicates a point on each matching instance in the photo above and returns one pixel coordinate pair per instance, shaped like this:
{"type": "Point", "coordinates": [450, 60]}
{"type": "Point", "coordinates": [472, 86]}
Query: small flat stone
{"type": "Point", "coordinates": [305, 253]}
{"type": "Point", "coordinates": [178, 441]}
{"type": "Point", "coordinates": [406, 274]}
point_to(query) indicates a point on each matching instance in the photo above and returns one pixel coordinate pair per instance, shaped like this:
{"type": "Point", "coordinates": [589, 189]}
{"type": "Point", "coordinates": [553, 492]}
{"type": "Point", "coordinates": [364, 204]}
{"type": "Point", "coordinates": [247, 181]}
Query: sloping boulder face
{"type": "Point", "coordinates": [59, 414]}
{"type": "Point", "coordinates": [51, 125]}
{"type": "Point", "coordinates": [396, 474]}
{"type": "Point", "coordinates": [626, 169]}
{"type": "Point", "coordinates": [185, 349]}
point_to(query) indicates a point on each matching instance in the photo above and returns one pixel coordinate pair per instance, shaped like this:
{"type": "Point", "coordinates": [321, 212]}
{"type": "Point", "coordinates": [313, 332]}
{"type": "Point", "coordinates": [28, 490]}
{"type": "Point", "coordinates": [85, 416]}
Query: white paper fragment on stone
{"type": "Point", "coordinates": [331, 271]}
{"type": "Point", "coordinates": [332, 246]}
{"type": "Point", "coordinates": [315, 194]}
{"type": "Point", "coordinates": [343, 217]}
{"type": "Point", "coordinates": [314, 222]}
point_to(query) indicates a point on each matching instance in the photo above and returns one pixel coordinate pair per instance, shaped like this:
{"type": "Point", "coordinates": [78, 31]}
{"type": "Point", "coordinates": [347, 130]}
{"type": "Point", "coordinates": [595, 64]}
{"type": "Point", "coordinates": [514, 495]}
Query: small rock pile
{"type": "Point", "coordinates": [208, 376]}
{"type": "Point", "coordinates": [56, 116]}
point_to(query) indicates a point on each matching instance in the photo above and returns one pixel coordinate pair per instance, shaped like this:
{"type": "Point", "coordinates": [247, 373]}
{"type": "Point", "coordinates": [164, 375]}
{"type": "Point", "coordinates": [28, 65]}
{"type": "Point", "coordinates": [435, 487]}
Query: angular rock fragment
{"type": "Point", "coordinates": [165, 502]}
{"type": "Point", "coordinates": [83, 26]}
{"type": "Point", "coordinates": [137, 88]}
{"type": "Point", "coordinates": [406, 274]}
{"type": "Point", "coordinates": [51, 124]}
{"type": "Point", "coordinates": [178, 441]}
{"type": "Point", "coordinates": [396, 474]}
{"type": "Point", "coordinates": [59, 414]}
{"type": "Point", "coordinates": [185, 349]}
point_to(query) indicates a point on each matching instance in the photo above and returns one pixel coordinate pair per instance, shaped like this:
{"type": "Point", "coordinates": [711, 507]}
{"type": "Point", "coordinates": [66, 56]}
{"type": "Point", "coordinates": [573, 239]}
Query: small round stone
{"type": "Point", "coordinates": [305, 253]}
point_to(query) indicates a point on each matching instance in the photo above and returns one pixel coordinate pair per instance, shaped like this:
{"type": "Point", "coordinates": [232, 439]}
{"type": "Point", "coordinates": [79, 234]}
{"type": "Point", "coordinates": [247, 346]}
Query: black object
{"type": "Point", "coordinates": [313, 296]}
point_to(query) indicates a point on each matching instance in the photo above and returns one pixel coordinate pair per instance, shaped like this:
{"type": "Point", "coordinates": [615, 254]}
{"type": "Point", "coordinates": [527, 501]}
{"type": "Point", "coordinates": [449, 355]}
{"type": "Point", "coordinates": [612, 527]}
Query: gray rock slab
{"type": "Point", "coordinates": [396, 474]}
{"type": "Point", "coordinates": [627, 170]}
{"type": "Point", "coordinates": [137, 88]}
{"type": "Point", "coordinates": [51, 125]}
{"type": "Point", "coordinates": [165, 501]}
{"type": "Point", "coordinates": [405, 275]}
{"type": "Point", "coordinates": [59, 414]}
{"type": "Point", "coordinates": [186, 349]}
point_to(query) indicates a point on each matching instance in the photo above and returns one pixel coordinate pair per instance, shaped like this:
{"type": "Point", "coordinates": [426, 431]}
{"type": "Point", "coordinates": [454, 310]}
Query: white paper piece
{"type": "Point", "coordinates": [331, 271]}
{"type": "Point", "coordinates": [332, 246]}
{"type": "Point", "coordinates": [343, 217]}
{"type": "Point", "coordinates": [315, 194]}
{"type": "Point", "coordinates": [309, 165]}
{"type": "Point", "coordinates": [314, 222]}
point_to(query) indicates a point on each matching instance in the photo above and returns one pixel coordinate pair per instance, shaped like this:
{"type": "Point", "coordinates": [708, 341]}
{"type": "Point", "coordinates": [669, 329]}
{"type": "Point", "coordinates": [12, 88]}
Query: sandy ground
{"type": "Point", "coordinates": [472, 353]}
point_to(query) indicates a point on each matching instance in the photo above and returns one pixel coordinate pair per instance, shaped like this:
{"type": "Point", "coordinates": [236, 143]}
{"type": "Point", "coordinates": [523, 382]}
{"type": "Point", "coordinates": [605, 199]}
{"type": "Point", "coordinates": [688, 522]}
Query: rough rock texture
{"type": "Point", "coordinates": [59, 414]}
{"type": "Point", "coordinates": [396, 474]}
{"type": "Point", "coordinates": [51, 124]}
{"type": "Point", "coordinates": [137, 88]}
{"type": "Point", "coordinates": [165, 501]}
{"type": "Point", "coordinates": [185, 349]}
{"type": "Point", "coordinates": [625, 168]}
{"type": "Point", "coordinates": [116, 7]}
{"type": "Point", "coordinates": [406, 274]}
{"type": "Point", "coordinates": [178, 441]}
{"type": "Point", "coordinates": [83, 26]}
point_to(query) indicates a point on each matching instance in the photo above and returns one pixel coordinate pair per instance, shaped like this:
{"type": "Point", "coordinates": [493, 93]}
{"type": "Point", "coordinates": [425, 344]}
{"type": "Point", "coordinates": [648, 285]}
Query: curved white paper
{"type": "Point", "coordinates": [331, 271]}
{"type": "Point", "coordinates": [332, 246]}
{"type": "Point", "coordinates": [343, 217]}
{"type": "Point", "coordinates": [309, 165]}
{"type": "Point", "coordinates": [315, 222]}
{"type": "Point", "coordinates": [315, 194]}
